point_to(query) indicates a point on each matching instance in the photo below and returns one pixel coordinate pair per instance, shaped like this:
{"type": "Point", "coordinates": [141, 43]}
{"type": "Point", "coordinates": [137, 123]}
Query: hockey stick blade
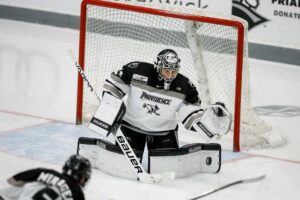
{"type": "Point", "coordinates": [248, 180]}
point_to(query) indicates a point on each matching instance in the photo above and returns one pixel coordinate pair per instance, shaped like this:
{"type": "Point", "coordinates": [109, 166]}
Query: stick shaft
{"type": "Point", "coordinates": [83, 75]}
{"type": "Point", "coordinates": [248, 180]}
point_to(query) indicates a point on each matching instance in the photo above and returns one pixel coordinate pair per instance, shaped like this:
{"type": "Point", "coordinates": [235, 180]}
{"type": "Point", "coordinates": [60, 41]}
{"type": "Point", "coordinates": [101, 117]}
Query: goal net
{"type": "Point", "coordinates": [213, 51]}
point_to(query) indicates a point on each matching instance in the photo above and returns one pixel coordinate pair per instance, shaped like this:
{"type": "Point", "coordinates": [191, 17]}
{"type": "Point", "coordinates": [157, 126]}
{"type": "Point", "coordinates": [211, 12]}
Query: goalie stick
{"type": "Point", "coordinates": [124, 145]}
{"type": "Point", "coordinates": [81, 72]}
{"type": "Point", "coordinates": [247, 180]}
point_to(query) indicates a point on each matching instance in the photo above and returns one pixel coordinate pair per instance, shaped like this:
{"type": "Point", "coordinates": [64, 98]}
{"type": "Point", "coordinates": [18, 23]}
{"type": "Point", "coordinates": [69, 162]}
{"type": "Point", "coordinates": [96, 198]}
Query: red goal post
{"type": "Point", "coordinates": [90, 22]}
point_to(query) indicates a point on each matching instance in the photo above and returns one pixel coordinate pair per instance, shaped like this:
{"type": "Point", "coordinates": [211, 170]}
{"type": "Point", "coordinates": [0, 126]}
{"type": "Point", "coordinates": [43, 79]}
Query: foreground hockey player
{"type": "Point", "coordinates": [41, 183]}
{"type": "Point", "coordinates": [157, 98]}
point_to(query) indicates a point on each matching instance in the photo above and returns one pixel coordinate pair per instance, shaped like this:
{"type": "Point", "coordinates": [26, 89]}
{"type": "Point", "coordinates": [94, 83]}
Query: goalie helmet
{"type": "Point", "coordinates": [78, 168]}
{"type": "Point", "coordinates": [167, 61]}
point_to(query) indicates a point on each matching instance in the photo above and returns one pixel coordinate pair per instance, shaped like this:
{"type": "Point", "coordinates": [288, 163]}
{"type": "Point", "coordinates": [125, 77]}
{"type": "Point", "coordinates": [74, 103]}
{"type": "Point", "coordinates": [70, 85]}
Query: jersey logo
{"type": "Point", "coordinates": [151, 108]}
{"type": "Point", "coordinates": [155, 99]}
{"type": "Point", "coordinates": [139, 78]}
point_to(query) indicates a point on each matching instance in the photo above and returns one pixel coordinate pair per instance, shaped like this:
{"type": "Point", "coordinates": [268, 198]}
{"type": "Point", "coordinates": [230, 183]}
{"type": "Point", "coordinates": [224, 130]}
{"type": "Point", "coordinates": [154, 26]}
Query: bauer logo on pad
{"type": "Point", "coordinates": [101, 124]}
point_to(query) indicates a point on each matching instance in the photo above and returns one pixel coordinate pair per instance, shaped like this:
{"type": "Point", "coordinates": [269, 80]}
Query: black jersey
{"type": "Point", "coordinates": [38, 182]}
{"type": "Point", "coordinates": [150, 108]}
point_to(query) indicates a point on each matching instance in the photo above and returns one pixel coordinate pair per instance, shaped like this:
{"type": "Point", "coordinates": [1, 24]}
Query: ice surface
{"type": "Point", "coordinates": [37, 110]}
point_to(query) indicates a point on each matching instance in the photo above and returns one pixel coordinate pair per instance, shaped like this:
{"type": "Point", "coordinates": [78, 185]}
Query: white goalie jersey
{"type": "Point", "coordinates": [150, 108]}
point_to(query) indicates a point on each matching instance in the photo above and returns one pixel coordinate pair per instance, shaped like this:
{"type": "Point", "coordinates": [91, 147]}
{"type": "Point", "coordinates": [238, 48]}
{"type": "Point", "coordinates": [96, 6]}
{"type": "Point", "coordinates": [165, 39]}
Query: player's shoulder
{"type": "Point", "coordinates": [183, 81]}
{"type": "Point", "coordinates": [184, 85]}
{"type": "Point", "coordinates": [139, 67]}
{"type": "Point", "coordinates": [49, 171]}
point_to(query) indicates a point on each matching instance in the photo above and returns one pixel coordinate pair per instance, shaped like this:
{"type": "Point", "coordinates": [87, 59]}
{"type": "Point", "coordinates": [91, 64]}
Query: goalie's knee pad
{"type": "Point", "coordinates": [185, 161]}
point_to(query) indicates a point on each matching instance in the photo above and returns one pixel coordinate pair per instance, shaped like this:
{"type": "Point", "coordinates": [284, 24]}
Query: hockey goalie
{"type": "Point", "coordinates": [146, 102]}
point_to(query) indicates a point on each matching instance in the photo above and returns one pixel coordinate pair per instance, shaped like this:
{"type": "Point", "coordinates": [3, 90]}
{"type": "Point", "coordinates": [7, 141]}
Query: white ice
{"type": "Point", "coordinates": [37, 110]}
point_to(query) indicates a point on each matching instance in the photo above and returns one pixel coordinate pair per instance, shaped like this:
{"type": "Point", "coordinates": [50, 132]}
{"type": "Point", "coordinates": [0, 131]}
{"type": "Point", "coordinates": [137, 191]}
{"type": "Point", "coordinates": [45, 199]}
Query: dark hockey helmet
{"type": "Point", "coordinates": [78, 168]}
{"type": "Point", "coordinates": [167, 59]}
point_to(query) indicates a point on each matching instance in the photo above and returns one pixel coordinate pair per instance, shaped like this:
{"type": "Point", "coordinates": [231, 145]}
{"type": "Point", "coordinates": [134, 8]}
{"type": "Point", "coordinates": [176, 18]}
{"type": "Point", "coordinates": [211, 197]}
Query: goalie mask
{"type": "Point", "coordinates": [167, 65]}
{"type": "Point", "coordinates": [78, 168]}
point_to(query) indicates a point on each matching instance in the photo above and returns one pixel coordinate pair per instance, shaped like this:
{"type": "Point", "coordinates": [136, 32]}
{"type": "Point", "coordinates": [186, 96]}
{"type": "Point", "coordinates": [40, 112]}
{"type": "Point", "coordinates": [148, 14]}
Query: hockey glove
{"type": "Point", "coordinates": [108, 117]}
{"type": "Point", "coordinates": [219, 111]}
{"type": "Point", "coordinates": [213, 124]}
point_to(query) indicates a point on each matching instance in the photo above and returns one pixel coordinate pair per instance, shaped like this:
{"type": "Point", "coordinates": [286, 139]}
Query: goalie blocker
{"type": "Point", "coordinates": [108, 117]}
{"type": "Point", "coordinates": [185, 161]}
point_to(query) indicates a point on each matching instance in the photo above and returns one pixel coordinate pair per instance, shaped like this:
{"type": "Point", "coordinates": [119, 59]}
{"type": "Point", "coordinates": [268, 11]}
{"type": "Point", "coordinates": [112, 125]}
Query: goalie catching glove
{"type": "Point", "coordinates": [215, 121]}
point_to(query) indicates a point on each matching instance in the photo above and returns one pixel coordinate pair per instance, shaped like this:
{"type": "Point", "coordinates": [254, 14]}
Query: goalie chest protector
{"type": "Point", "coordinates": [147, 101]}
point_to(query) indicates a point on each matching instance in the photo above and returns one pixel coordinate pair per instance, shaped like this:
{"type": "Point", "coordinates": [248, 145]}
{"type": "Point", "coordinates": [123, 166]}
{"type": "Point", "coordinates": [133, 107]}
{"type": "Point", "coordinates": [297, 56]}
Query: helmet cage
{"type": "Point", "coordinates": [167, 59]}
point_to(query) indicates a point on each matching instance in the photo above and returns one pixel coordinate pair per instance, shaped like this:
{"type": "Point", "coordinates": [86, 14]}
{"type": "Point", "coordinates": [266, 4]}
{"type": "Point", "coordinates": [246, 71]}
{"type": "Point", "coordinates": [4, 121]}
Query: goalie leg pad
{"type": "Point", "coordinates": [106, 157]}
{"type": "Point", "coordinates": [185, 161]}
{"type": "Point", "coordinates": [188, 160]}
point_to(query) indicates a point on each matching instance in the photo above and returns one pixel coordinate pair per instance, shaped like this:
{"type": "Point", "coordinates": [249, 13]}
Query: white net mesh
{"type": "Point", "coordinates": [115, 37]}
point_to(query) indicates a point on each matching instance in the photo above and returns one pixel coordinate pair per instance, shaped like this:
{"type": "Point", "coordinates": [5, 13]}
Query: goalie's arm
{"type": "Point", "coordinates": [188, 115]}
{"type": "Point", "coordinates": [190, 112]}
{"type": "Point", "coordinates": [118, 83]}
{"type": "Point", "coordinates": [108, 116]}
